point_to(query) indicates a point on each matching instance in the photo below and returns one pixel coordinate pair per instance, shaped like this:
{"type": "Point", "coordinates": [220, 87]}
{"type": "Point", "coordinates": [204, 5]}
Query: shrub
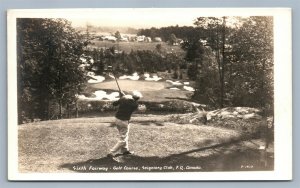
{"type": "Point", "coordinates": [178, 106]}
{"type": "Point", "coordinates": [95, 106]}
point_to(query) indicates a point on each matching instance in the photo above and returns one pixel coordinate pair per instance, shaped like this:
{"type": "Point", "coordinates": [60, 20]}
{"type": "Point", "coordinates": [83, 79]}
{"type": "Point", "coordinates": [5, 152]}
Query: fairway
{"type": "Point", "coordinates": [151, 91]}
{"type": "Point", "coordinates": [130, 85]}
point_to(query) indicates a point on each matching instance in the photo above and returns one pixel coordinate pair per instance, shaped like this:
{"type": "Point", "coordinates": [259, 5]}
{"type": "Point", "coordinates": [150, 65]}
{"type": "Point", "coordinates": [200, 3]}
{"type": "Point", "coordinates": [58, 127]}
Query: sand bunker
{"type": "Point", "coordinates": [188, 88]}
{"type": "Point", "coordinates": [176, 83]}
{"type": "Point", "coordinates": [101, 95]}
{"type": "Point", "coordinates": [153, 78]}
{"type": "Point", "coordinates": [134, 76]}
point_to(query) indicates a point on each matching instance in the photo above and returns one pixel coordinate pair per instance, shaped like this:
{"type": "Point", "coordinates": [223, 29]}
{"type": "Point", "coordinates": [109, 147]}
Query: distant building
{"type": "Point", "coordinates": [157, 39]}
{"type": "Point", "coordinates": [124, 39]}
{"type": "Point", "coordinates": [110, 38]}
{"type": "Point", "coordinates": [140, 38]}
{"type": "Point", "coordinates": [148, 39]}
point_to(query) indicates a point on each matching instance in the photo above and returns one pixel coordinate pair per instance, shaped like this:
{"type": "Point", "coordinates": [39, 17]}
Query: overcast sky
{"type": "Point", "coordinates": [137, 18]}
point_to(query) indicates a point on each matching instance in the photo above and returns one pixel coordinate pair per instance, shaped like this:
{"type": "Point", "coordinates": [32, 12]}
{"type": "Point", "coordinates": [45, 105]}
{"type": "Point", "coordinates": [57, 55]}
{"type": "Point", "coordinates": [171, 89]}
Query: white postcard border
{"type": "Point", "coordinates": [282, 95]}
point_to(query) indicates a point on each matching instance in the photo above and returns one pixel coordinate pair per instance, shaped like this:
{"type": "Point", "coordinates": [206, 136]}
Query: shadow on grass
{"type": "Point", "coordinates": [154, 123]}
{"type": "Point", "coordinates": [178, 98]}
{"type": "Point", "coordinates": [237, 160]}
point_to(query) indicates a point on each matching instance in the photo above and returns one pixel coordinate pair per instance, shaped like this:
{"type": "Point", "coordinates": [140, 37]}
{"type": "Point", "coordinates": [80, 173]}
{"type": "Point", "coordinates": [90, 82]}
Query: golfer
{"type": "Point", "coordinates": [127, 105]}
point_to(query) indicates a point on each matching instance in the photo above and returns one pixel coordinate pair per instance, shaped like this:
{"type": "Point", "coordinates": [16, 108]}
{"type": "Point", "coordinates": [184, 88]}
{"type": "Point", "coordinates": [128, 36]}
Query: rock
{"type": "Point", "coordinates": [201, 117]}
{"type": "Point", "coordinates": [234, 112]}
{"type": "Point", "coordinates": [188, 88]}
{"type": "Point", "coordinates": [224, 114]}
{"type": "Point", "coordinates": [246, 110]}
{"type": "Point", "coordinates": [252, 116]}
{"type": "Point", "coordinates": [228, 116]}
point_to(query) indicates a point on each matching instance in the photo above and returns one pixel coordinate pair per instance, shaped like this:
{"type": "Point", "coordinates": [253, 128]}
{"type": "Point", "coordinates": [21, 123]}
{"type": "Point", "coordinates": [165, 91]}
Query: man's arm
{"type": "Point", "coordinates": [116, 103]}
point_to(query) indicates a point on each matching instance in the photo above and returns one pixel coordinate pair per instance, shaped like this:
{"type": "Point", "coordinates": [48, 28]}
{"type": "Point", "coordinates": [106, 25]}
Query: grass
{"type": "Point", "coordinates": [64, 145]}
{"type": "Point", "coordinates": [128, 46]}
{"type": "Point", "coordinates": [130, 85]}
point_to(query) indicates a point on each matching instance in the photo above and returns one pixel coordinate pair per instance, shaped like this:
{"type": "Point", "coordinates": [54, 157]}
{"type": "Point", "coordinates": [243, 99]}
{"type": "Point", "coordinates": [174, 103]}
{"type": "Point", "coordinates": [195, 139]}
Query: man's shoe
{"type": "Point", "coordinates": [128, 153]}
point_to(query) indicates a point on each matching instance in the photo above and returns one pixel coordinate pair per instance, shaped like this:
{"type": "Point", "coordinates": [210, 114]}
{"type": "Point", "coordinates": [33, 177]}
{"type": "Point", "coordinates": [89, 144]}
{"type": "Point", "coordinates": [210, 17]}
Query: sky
{"type": "Point", "coordinates": [137, 18]}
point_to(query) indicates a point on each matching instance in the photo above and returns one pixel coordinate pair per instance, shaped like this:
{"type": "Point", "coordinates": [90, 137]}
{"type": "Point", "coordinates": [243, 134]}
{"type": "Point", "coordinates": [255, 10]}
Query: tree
{"type": "Point", "coordinates": [158, 48]}
{"type": "Point", "coordinates": [194, 50]}
{"type": "Point", "coordinates": [118, 35]}
{"type": "Point", "coordinates": [252, 52]}
{"type": "Point", "coordinates": [50, 53]}
{"type": "Point", "coordinates": [215, 35]}
{"type": "Point", "coordinates": [173, 39]}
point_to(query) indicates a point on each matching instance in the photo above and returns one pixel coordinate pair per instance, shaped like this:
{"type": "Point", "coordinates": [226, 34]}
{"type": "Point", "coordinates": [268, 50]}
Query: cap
{"type": "Point", "coordinates": [137, 94]}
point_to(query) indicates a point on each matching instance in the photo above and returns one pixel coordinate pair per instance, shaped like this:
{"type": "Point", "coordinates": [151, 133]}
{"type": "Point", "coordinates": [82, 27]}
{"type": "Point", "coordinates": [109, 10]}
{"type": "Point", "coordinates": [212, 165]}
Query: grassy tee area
{"type": "Point", "coordinates": [81, 145]}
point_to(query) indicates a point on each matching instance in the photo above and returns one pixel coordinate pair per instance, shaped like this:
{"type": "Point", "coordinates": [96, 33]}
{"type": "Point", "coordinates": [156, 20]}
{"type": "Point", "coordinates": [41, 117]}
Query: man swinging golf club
{"type": "Point", "coordinates": [127, 105]}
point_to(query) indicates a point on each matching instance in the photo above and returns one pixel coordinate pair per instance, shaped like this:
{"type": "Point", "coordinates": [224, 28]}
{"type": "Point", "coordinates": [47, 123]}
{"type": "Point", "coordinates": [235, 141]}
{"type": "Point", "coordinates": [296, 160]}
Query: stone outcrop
{"type": "Point", "coordinates": [234, 112]}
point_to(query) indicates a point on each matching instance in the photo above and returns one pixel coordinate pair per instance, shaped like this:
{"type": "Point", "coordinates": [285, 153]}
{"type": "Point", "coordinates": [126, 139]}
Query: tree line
{"type": "Point", "coordinates": [166, 33]}
{"type": "Point", "coordinates": [140, 61]}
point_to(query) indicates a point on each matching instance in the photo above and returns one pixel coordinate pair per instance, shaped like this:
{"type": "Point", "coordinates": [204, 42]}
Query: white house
{"type": "Point", "coordinates": [148, 39]}
{"type": "Point", "coordinates": [140, 38]}
{"type": "Point", "coordinates": [157, 39]}
{"type": "Point", "coordinates": [110, 38]}
{"type": "Point", "coordinates": [124, 39]}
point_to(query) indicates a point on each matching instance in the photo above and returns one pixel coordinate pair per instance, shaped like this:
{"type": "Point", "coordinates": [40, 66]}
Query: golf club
{"type": "Point", "coordinates": [110, 68]}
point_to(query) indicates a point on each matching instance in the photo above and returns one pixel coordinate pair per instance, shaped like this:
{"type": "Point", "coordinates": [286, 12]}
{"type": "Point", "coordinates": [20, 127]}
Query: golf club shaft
{"type": "Point", "coordinates": [116, 81]}
{"type": "Point", "coordinates": [118, 84]}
